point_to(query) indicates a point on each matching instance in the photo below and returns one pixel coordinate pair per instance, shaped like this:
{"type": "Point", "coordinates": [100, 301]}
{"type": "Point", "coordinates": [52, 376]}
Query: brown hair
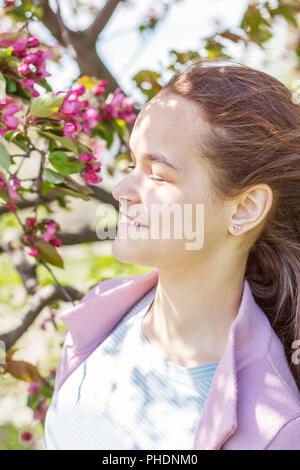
{"type": "Point", "coordinates": [254, 137]}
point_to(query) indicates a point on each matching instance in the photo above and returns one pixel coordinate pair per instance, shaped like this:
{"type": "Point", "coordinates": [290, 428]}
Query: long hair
{"type": "Point", "coordinates": [253, 137]}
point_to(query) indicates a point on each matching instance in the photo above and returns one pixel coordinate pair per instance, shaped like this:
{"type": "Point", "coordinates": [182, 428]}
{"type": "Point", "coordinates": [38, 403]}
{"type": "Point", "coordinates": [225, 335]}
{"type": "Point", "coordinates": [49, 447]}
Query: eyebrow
{"type": "Point", "coordinates": [158, 158]}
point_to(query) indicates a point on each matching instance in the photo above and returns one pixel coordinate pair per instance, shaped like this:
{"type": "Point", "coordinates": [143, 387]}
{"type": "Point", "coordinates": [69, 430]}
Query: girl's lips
{"type": "Point", "coordinates": [123, 222]}
{"type": "Point", "coordinates": [130, 221]}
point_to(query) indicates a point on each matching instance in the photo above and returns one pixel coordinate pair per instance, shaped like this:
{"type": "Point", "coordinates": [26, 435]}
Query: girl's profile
{"type": "Point", "coordinates": [203, 352]}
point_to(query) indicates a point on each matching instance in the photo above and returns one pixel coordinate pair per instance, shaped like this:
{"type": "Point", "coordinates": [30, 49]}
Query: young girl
{"type": "Point", "coordinates": [203, 352]}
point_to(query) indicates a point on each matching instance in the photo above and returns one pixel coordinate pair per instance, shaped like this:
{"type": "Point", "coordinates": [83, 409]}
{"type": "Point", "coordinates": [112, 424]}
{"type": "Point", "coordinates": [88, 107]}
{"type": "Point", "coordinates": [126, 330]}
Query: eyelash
{"type": "Point", "coordinates": [153, 177]}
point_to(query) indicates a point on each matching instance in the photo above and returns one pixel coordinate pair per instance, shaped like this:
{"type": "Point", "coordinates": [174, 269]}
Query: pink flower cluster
{"type": "Point", "coordinates": [47, 228]}
{"type": "Point", "coordinates": [92, 167]}
{"type": "Point", "coordinates": [99, 88]}
{"type": "Point", "coordinates": [80, 115]}
{"type": "Point", "coordinates": [14, 183]}
{"type": "Point", "coordinates": [33, 64]}
{"type": "Point", "coordinates": [7, 110]}
{"type": "Point", "coordinates": [120, 107]}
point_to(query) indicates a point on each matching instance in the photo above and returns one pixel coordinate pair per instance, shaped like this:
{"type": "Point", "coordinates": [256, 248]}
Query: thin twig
{"type": "Point", "coordinates": [56, 280]}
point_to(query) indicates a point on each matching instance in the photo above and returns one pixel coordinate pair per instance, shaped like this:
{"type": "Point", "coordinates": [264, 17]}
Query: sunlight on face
{"type": "Point", "coordinates": [167, 171]}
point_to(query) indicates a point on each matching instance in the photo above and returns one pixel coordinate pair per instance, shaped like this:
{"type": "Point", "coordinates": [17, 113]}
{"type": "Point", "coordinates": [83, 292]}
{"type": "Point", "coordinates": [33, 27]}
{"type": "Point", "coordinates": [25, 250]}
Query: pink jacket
{"type": "Point", "coordinates": [253, 402]}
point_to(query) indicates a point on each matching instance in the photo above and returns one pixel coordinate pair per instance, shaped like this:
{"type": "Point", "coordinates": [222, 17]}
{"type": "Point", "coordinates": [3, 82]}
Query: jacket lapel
{"type": "Point", "coordinates": [248, 340]}
{"type": "Point", "coordinates": [90, 322]}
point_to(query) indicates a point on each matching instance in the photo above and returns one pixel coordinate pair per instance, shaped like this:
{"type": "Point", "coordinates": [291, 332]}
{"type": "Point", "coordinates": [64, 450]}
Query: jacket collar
{"type": "Point", "coordinates": [90, 322]}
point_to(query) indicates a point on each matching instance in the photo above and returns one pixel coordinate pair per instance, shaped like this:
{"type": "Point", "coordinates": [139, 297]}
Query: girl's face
{"type": "Point", "coordinates": [167, 127]}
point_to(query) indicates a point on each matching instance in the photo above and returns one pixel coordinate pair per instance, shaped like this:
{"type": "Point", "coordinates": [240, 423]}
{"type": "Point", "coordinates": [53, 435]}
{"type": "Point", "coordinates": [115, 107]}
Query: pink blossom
{"type": "Point", "coordinates": [91, 116]}
{"type": "Point", "coordinates": [19, 47]}
{"type": "Point", "coordinates": [15, 183]}
{"type": "Point", "coordinates": [5, 101]}
{"type": "Point", "coordinates": [70, 128]}
{"type": "Point", "coordinates": [70, 107]}
{"type": "Point", "coordinates": [34, 252]}
{"type": "Point", "coordinates": [33, 42]}
{"type": "Point", "coordinates": [26, 436]}
{"type": "Point", "coordinates": [97, 89]}
{"type": "Point", "coordinates": [96, 168]}
{"type": "Point", "coordinates": [56, 242]}
{"type": "Point", "coordinates": [33, 388]}
{"type": "Point", "coordinates": [120, 107]}
{"type": "Point", "coordinates": [97, 146]}
{"type": "Point", "coordinates": [12, 109]}
{"type": "Point", "coordinates": [42, 409]}
{"type": "Point", "coordinates": [10, 121]}
{"type": "Point", "coordinates": [28, 83]}
{"type": "Point", "coordinates": [32, 58]}
{"type": "Point", "coordinates": [50, 231]}
{"type": "Point", "coordinates": [85, 157]}
{"type": "Point", "coordinates": [31, 222]}
{"type": "Point", "coordinates": [90, 177]}
{"type": "Point", "coordinates": [79, 89]}
{"type": "Point", "coordinates": [88, 167]}
{"type": "Point", "coordinates": [2, 184]}
{"type": "Point", "coordinates": [10, 206]}
{"type": "Point", "coordinates": [13, 194]}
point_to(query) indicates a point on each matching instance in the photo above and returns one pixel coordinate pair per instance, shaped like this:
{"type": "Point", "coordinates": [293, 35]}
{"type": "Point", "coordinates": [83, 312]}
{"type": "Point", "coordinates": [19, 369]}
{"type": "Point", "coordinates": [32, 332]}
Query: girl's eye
{"type": "Point", "coordinates": [155, 178]}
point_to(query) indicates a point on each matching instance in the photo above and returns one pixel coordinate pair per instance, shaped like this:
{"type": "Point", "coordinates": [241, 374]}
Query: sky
{"type": "Point", "coordinates": [125, 52]}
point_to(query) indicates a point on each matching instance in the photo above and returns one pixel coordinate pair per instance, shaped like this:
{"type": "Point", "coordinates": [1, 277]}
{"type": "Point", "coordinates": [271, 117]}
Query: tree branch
{"type": "Point", "coordinates": [104, 15]}
{"type": "Point", "coordinates": [14, 248]}
{"type": "Point", "coordinates": [100, 194]}
{"type": "Point", "coordinates": [49, 19]}
{"type": "Point", "coordinates": [41, 299]}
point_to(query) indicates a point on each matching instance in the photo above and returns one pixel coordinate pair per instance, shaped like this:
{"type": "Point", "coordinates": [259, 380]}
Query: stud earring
{"type": "Point", "coordinates": [237, 227]}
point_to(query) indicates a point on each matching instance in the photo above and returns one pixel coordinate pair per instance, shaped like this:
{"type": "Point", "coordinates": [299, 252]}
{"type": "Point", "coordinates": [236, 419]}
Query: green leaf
{"type": "Point", "coordinates": [120, 126]}
{"type": "Point", "coordinates": [5, 53]}
{"type": "Point", "coordinates": [66, 142]}
{"type": "Point", "coordinates": [45, 391]}
{"type": "Point", "coordinates": [47, 104]}
{"type": "Point", "coordinates": [43, 82]}
{"type": "Point", "coordinates": [18, 139]}
{"type": "Point", "coordinates": [11, 85]}
{"type": "Point", "coordinates": [61, 163]}
{"type": "Point", "coordinates": [53, 176]}
{"type": "Point", "coordinates": [4, 195]}
{"type": "Point", "coordinates": [2, 86]}
{"type": "Point", "coordinates": [71, 192]}
{"type": "Point", "coordinates": [32, 401]}
{"type": "Point", "coordinates": [49, 254]}
{"type": "Point", "coordinates": [46, 187]}
{"type": "Point", "coordinates": [4, 157]}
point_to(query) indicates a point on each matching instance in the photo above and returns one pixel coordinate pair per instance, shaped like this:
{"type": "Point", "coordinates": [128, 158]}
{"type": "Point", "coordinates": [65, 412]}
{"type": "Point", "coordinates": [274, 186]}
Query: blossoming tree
{"type": "Point", "coordinates": [63, 130]}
